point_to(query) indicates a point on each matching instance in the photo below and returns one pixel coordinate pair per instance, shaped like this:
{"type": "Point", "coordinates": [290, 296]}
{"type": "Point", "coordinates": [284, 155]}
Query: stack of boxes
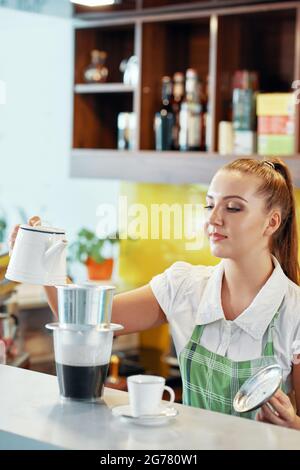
{"type": "Point", "coordinates": [276, 124]}
{"type": "Point", "coordinates": [262, 123]}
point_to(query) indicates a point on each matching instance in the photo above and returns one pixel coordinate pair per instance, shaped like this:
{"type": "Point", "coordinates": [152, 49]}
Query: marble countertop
{"type": "Point", "coordinates": [32, 416]}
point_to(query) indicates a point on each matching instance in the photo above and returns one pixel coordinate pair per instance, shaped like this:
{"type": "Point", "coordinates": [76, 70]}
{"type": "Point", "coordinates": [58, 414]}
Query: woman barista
{"type": "Point", "coordinates": [229, 320]}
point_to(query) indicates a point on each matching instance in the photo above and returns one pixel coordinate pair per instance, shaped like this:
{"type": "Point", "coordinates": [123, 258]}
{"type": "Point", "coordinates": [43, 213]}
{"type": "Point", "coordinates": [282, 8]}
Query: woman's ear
{"type": "Point", "coordinates": [273, 222]}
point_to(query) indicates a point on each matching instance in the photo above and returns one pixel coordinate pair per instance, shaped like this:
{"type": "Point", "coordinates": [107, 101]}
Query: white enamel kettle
{"type": "Point", "coordinates": [38, 256]}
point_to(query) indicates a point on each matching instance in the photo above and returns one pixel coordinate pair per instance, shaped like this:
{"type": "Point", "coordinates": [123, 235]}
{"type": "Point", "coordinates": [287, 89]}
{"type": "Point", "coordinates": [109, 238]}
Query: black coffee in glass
{"type": "Point", "coordinates": [81, 382]}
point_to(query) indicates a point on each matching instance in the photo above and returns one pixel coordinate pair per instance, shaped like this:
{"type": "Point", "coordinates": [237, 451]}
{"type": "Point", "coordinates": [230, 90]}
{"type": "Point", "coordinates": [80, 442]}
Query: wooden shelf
{"type": "Point", "coordinates": [156, 167]}
{"type": "Point", "coordinates": [103, 88]}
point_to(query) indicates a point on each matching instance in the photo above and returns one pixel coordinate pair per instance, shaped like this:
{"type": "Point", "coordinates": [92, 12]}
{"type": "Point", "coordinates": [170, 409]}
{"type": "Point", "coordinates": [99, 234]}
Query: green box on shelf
{"type": "Point", "coordinates": [281, 145]}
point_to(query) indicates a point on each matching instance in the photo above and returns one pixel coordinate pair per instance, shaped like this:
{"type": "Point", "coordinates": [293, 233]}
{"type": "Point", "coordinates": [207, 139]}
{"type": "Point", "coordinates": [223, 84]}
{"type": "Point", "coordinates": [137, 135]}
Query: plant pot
{"type": "Point", "coordinates": [99, 271]}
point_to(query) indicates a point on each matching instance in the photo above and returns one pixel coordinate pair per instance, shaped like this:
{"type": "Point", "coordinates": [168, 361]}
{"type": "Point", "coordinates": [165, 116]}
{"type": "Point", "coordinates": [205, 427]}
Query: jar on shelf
{"type": "Point", "coordinates": [126, 131]}
{"type": "Point", "coordinates": [96, 71]}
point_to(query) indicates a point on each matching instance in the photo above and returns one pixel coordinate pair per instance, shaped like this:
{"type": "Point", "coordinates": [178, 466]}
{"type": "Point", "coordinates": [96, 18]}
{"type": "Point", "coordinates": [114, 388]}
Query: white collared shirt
{"type": "Point", "coordinates": [191, 295]}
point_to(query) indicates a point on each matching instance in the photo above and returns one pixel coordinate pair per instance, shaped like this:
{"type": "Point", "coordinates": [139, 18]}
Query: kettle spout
{"type": "Point", "coordinates": [54, 251]}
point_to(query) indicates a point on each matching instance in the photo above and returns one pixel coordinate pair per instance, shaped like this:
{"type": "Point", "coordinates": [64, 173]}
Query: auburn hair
{"type": "Point", "coordinates": [277, 189]}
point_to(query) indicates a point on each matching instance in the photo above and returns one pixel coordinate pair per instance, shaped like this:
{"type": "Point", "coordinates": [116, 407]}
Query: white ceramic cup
{"type": "Point", "coordinates": [145, 394]}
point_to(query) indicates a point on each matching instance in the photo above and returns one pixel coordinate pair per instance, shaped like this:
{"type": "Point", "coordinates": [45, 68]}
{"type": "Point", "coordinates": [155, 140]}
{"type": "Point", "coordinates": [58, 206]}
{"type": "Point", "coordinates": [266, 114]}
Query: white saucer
{"type": "Point", "coordinates": [165, 414]}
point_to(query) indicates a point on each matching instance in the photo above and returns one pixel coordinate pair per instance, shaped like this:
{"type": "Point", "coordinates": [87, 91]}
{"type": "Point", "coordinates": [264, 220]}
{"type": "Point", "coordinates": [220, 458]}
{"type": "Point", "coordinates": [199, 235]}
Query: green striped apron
{"type": "Point", "coordinates": [210, 381]}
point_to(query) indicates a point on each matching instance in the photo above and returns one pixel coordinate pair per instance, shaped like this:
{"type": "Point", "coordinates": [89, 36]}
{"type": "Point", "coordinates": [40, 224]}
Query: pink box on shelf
{"type": "Point", "coordinates": [279, 125]}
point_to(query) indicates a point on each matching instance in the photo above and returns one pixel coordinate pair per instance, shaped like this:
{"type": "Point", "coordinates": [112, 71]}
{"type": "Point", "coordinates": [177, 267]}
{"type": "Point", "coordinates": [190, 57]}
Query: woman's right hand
{"type": "Point", "coordinates": [33, 221]}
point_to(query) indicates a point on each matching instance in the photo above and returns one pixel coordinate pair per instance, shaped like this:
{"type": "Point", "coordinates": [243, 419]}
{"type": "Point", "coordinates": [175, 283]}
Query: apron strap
{"type": "Point", "coordinates": [197, 333]}
{"type": "Point", "coordinates": [269, 347]}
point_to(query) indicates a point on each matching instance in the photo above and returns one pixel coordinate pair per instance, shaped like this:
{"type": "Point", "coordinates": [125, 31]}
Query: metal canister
{"type": "Point", "coordinates": [87, 304]}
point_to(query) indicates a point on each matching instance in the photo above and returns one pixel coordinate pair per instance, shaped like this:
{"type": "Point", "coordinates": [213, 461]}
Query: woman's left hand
{"type": "Point", "coordinates": [285, 413]}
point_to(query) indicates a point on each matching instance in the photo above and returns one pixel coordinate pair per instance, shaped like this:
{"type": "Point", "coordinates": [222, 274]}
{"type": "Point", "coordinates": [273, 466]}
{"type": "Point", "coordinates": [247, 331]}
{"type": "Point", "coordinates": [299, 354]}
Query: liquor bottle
{"type": "Point", "coordinates": [208, 123]}
{"type": "Point", "coordinates": [96, 71]}
{"type": "Point", "coordinates": [164, 119]}
{"type": "Point", "coordinates": [190, 114]}
{"type": "Point", "coordinates": [203, 97]}
{"type": "Point", "coordinates": [178, 94]}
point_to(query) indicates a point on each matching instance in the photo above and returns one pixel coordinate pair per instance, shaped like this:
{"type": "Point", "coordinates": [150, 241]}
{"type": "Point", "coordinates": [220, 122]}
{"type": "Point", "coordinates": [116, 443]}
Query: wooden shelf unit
{"type": "Point", "coordinates": [216, 41]}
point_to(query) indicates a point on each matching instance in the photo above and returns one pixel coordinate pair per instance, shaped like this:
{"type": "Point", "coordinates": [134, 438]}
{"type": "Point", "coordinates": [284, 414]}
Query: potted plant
{"type": "Point", "coordinates": [92, 251]}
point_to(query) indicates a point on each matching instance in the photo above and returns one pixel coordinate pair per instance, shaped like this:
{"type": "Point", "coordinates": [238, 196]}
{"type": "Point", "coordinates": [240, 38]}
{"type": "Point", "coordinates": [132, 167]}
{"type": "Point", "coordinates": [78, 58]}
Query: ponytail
{"type": "Point", "coordinates": [285, 240]}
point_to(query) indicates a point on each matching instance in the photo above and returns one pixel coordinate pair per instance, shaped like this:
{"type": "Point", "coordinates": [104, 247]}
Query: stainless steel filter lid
{"type": "Point", "coordinates": [85, 304]}
{"type": "Point", "coordinates": [75, 327]}
{"type": "Point", "coordinates": [258, 389]}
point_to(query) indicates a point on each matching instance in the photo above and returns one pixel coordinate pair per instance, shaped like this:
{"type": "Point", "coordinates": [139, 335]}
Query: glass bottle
{"type": "Point", "coordinates": [178, 94]}
{"type": "Point", "coordinates": [203, 115]}
{"type": "Point", "coordinates": [189, 116]}
{"type": "Point", "coordinates": [208, 123]}
{"type": "Point", "coordinates": [164, 118]}
{"type": "Point", "coordinates": [96, 71]}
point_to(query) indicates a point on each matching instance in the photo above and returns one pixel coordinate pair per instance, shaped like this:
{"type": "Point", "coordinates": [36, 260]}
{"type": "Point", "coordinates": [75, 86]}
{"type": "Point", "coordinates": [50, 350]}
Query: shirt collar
{"type": "Point", "coordinates": [257, 317]}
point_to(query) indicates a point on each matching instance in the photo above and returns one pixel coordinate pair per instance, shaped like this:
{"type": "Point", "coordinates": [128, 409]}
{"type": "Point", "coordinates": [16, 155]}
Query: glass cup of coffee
{"type": "Point", "coordinates": [82, 357]}
{"type": "Point", "coordinates": [145, 394]}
